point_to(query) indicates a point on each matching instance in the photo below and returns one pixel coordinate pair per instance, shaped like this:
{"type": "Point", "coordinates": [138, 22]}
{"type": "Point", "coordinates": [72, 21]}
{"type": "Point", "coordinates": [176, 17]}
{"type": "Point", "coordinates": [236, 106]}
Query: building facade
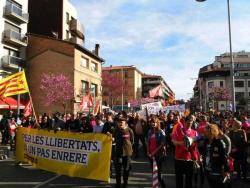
{"type": "Point", "coordinates": [132, 78]}
{"type": "Point", "coordinates": [13, 27]}
{"type": "Point", "coordinates": [58, 19]}
{"type": "Point", "coordinates": [51, 55]}
{"type": "Point", "coordinates": [217, 75]}
{"type": "Point", "coordinates": [151, 81]}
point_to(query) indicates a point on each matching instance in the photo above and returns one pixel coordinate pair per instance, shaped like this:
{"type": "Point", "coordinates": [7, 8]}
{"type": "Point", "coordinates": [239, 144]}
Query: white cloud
{"type": "Point", "coordinates": [200, 29]}
{"type": "Point", "coordinates": [92, 13]}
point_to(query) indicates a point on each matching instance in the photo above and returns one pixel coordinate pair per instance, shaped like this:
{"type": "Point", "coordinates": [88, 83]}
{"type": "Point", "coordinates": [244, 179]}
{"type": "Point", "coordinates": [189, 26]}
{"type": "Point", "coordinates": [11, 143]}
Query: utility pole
{"type": "Point", "coordinates": [231, 55]}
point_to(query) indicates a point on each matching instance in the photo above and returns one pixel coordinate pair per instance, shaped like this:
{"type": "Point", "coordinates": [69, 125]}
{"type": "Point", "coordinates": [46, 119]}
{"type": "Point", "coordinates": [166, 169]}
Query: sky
{"type": "Point", "coordinates": [171, 38]}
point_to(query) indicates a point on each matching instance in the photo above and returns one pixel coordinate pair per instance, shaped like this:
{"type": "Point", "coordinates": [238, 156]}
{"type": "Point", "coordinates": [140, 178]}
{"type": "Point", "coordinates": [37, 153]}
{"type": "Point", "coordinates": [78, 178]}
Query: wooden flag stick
{"type": "Point", "coordinates": [33, 109]}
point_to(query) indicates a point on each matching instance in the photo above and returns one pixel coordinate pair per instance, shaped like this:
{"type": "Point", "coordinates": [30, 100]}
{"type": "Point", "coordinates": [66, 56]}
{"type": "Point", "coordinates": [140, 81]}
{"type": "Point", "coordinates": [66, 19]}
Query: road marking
{"type": "Point", "coordinates": [47, 181]}
{"type": "Point", "coordinates": [150, 174]}
{"type": "Point", "coordinates": [19, 183]}
{"type": "Point", "coordinates": [7, 160]}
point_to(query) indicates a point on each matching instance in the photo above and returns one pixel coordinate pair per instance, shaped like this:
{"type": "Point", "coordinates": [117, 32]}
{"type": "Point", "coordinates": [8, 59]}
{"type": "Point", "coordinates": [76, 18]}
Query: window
{"type": "Point", "coordinates": [67, 17]}
{"type": "Point", "coordinates": [85, 87]}
{"type": "Point", "coordinates": [242, 65]}
{"type": "Point", "coordinates": [248, 83]}
{"type": "Point", "coordinates": [93, 89]}
{"type": "Point", "coordinates": [221, 84]}
{"type": "Point", "coordinates": [226, 65]}
{"type": "Point", "coordinates": [125, 73]}
{"type": "Point", "coordinates": [210, 85]}
{"type": "Point", "coordinates": [84, 62]}
{"type": "Point", "coordinates": [10, 2]}
{"type": "Point", "coordinates": [239, 83]}
{"type": "Point", "coordinates": [93, 67]}
{"type": "Point", "coordinates": [239, 95]}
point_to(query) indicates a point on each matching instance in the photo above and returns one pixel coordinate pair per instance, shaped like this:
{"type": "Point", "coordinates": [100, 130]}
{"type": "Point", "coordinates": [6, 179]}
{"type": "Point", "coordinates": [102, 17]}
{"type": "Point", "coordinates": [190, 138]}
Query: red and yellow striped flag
{"type": "Point", "coordinates": [13, 85]}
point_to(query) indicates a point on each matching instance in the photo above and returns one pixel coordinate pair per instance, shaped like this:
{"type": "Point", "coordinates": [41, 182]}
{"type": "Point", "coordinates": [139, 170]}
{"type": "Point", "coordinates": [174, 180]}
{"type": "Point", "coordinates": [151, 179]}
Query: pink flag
{"type": "Point", "coordinates": [155, 183]}
{"type": "Point", "coordinates": [84, 102]}
{"type": "Point", "coordinates": [90, 101]}
{"type": "Point", "coordinates": [28, 109]}
{"type": "Point", "coordinates": [97, 107]}
{"type": "Point", "coordinates": [156, 92]}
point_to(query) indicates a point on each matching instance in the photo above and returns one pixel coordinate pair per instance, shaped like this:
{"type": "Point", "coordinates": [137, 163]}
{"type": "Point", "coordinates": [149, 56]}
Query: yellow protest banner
{"type": "Point", "coordinates": [74, 154]}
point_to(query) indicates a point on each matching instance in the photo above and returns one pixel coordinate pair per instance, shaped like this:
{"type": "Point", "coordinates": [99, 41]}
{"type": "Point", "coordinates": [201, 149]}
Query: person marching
{"type": "Point", "coordinates": [139, 135]}
{"type": "Point", "coordinates": [156, 146]}
{"type": "Point", "coordinates": [124, 139]}
{"type": "Point", "coordinates": [217, 168]}
{"type": "Point", "coordinates": [12, 130]}
{"type": "Point", "coordinates": [239, 149]}
{"type": "Point", "coordinates": [185, 154]}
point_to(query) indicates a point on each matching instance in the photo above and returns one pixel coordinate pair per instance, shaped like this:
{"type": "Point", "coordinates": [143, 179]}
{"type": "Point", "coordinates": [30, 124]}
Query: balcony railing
{"type": "Point", "coordinates": [12, 62]}
{"type": "Point", "coordinates": [14, 12]}
{"type": "Point", "coordinates": [15, 38]}
{"type": "Point", "coordinates": [76, 28]}
{"type": "Point", "coordinates": [152, 82]}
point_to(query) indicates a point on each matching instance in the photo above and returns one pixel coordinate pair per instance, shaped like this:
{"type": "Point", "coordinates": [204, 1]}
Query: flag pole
{"type": "Point", "coordinates": [18, 99]}
{"type": "Point", "coordinates": [33, 109]}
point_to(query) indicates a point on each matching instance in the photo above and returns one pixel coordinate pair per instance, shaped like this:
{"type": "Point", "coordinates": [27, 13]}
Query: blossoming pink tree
{"type": "Point", "coordinates": [219, 94]}
{"type": "Point", "coordinates": [57, 89]}
{"type": "Point", "coordinates": [113, 87]}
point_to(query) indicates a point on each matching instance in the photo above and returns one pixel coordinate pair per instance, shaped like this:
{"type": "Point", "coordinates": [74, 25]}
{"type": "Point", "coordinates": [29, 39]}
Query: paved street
{"type": "Point", "coordinates": [13, 176]}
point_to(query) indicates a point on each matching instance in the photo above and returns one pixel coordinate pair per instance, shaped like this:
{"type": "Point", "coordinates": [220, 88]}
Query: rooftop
{"type": "Point", "coordinates": [150, 76]}
{"type": "Point", "coordinates": [77, 46]}
{"type": "Point", "coordinates": [120, 68]}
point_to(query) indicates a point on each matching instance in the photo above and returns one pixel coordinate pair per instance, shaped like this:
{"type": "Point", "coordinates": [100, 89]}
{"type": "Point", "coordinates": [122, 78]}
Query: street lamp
{"type": "Point", "coordinates": [231, 54]}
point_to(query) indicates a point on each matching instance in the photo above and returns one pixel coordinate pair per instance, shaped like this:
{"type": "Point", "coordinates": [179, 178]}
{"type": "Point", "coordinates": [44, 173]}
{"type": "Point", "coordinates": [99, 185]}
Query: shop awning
{"type": "Point", "coordinates": [3, 105]}
{"type": "Point", "coordinates": [10, 103]}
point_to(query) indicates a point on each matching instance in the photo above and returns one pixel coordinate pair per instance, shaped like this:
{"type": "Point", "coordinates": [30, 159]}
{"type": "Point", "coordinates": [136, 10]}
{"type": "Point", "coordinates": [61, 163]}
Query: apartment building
{"type": "Point", "coordinates": [50, 55]}
{"type": "Point", "coordinates": [58, 19]}
{"type": "Point", "coordinates": [151, 81]}
{"type": "Point", "coordinates": [132, 78]}
{"type": "Point", "coordinates": [217, 74]}
{"type": "Point", "coordinates": [13, 27]}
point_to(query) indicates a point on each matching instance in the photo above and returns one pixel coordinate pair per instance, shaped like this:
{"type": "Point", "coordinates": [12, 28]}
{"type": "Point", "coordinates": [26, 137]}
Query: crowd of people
{"type": "Point", "coordinates": [210, 146]}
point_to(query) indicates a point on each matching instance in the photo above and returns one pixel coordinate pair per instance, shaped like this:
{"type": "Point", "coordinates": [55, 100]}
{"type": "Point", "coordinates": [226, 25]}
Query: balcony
{"type": "Point", "coordinates": [15, 38]}
{"type": "Point", "coordinates": [13, 12]}
{"type": "Point", "coordinates": [12, 62]}
{"type": "Point", "coordinates": [76, 28]}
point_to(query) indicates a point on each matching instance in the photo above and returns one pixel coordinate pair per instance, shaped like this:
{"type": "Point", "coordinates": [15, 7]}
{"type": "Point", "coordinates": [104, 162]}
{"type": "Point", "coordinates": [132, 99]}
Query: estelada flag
{"type": "Point", "coordinates": [28, 109]}
{"type": "Point", "coordinates": [13, 85]}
